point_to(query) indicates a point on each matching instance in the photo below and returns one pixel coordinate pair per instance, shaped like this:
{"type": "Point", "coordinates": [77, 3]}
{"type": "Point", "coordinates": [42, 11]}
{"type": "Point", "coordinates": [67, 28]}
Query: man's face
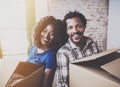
{"type": "Point", "coordinates": [75, 29]}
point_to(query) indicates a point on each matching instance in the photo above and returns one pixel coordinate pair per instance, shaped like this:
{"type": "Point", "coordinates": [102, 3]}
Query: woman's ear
{"type": "Point", "coordinates": [67, 32]}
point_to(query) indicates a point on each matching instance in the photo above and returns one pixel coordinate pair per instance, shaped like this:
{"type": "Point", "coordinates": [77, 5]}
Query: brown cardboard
{"type": "Point", "coordinates": [1, 51]}
{"type": "Point", "coordinates": [26, 75]}
{"type": "Point", "coordinates": [113, 67]}
{"type": "Point", "coordinates": [96, 70]}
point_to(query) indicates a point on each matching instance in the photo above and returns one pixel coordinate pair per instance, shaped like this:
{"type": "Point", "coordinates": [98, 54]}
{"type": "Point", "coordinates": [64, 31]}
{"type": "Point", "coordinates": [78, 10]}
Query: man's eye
{"type": "Point", "coordinates": [79, 26]}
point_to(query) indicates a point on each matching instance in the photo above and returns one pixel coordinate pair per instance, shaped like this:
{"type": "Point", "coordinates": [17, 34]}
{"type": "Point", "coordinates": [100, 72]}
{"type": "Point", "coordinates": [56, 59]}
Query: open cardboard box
{"type": "Point", "coordinates": [20, 74]}
{"type": "Point", "coordinates": [26, 75]}
{"type": "Point", "coordinates": [98, 70]}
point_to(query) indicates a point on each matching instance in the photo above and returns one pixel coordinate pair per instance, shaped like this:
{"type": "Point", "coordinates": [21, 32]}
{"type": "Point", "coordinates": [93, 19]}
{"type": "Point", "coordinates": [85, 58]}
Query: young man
{"type": "Point", "coordinates": [78, 46]}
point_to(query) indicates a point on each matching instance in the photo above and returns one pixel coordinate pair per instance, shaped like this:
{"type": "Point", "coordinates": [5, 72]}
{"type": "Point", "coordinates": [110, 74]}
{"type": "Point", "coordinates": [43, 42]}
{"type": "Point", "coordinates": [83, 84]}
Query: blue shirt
{"type": "Point", "coordinates": [48, 57]}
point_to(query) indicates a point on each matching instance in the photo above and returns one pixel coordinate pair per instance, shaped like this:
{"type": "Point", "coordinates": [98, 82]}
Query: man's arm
{"type": "Point", "coordinates": [62, 70]}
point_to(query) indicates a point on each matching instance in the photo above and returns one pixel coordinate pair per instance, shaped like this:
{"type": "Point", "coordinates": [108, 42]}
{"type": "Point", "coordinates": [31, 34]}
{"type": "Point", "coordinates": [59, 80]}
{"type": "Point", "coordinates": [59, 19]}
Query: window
{"type": "Point", "coordinates": [13, 36]}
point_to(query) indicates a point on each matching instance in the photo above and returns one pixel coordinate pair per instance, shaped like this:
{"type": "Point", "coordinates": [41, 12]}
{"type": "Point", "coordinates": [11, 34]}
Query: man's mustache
{"type": "Point", "coordinates": [78, 33]}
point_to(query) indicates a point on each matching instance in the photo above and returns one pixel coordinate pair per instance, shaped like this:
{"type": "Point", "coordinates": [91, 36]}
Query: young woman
{"type": "Point", "coordinates": [46, 41]}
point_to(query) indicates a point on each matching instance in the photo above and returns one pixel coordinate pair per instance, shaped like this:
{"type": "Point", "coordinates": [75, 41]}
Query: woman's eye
{"type": "Point", "coordinates": [44, 30]}
{"type": "Point", "coordinates": [52, 34]}
{"type": "Point", "coordinates": [70, 27]}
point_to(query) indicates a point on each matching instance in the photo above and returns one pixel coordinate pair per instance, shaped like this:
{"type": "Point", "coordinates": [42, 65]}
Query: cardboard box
{"type": "Point", "coordinates": [26, 75]}
{"type": "Point", "coordinates": [98, 70]}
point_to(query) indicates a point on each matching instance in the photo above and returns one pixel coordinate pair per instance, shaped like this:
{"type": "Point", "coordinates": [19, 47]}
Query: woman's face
{"type": "Point", "coordinates": [47, 35]}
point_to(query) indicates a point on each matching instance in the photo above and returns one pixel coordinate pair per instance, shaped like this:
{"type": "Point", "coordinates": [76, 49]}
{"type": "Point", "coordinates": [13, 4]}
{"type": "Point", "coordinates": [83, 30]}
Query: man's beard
{"type": "Point", "coordinates": [78, 33]}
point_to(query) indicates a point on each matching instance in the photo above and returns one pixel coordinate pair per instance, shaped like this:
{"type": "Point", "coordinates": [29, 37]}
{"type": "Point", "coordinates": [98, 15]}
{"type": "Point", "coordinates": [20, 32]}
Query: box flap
{"type": "Point", "coordinates": [33, 80]}
{"type": "Point", "coordinates": [113, 67]}
{"type": "Point", "coordinates": [100, 58]}
{"type": "Point", "coordinates": [26, 74]}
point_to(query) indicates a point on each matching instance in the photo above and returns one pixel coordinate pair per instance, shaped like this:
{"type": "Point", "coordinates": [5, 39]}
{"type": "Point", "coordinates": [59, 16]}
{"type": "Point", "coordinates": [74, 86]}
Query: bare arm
{"type": "Point", "coordinates": [48, 77]}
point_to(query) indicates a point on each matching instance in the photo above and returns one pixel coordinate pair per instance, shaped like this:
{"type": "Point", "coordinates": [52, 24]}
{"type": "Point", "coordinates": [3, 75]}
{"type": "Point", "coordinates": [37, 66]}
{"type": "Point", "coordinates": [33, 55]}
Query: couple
{"type": "Point", "coordinates": [57, 43]}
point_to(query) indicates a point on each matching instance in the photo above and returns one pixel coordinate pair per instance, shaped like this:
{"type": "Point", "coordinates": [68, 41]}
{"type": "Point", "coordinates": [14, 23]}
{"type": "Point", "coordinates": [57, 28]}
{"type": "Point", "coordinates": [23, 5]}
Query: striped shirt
{"type": "Point", "coordinates": [70, 52]}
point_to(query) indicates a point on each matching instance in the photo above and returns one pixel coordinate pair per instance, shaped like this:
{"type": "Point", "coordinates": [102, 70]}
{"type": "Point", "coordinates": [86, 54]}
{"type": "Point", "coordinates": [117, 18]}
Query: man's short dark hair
{"type": "Point", "coordinates": [75, 14]}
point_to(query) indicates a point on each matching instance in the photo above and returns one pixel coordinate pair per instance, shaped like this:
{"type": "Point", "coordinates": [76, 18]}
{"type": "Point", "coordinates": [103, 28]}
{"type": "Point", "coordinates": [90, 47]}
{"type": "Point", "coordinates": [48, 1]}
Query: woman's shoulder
{"type": "Point", "coordinates": [33, 47]}
{"type": "Point", "coordinates": [51, 52]}
{"type": "Point", "coordinates": [51, 56]}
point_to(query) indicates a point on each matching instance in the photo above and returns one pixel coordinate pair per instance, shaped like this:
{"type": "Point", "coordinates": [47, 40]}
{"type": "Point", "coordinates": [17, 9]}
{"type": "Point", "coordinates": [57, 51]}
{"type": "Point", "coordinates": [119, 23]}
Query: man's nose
{"type": "Point", "coordinates": [75, 29]}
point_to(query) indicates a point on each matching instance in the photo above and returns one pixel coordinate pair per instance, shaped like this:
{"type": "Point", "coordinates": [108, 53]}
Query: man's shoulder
{"type": "Point", "coordinates": [65, 47]}
{"type": "Point", "coordinates": [90, 43]}
{"type": "Point", "coordinates": [87, 38]}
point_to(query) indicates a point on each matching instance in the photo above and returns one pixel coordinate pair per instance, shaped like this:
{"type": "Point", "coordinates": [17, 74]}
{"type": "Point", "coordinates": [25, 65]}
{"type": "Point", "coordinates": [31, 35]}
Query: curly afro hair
{"type": "Point", "coordinates": [75, 14]}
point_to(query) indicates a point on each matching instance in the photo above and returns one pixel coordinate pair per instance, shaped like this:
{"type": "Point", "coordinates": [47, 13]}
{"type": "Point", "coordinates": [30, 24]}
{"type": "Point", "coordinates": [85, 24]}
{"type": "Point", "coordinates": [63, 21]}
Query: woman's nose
{"type": "Point", "coordinates": [46, 35]}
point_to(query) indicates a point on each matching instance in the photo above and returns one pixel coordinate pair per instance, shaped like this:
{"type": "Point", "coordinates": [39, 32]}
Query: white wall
{"type": "Point", "coordinates": [113, 39]}
{"type": "Point", "coordinates": [41, 9]}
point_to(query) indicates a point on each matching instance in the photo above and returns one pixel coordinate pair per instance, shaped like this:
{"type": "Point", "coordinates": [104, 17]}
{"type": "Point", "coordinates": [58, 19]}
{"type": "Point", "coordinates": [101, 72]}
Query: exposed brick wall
{"type": "Point", "coordinates": [96, 12]}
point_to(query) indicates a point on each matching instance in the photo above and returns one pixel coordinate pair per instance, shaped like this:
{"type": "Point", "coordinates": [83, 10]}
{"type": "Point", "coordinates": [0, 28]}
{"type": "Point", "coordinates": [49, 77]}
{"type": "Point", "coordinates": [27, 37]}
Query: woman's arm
{"type": "Point", "coordinates": [48, 77]}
